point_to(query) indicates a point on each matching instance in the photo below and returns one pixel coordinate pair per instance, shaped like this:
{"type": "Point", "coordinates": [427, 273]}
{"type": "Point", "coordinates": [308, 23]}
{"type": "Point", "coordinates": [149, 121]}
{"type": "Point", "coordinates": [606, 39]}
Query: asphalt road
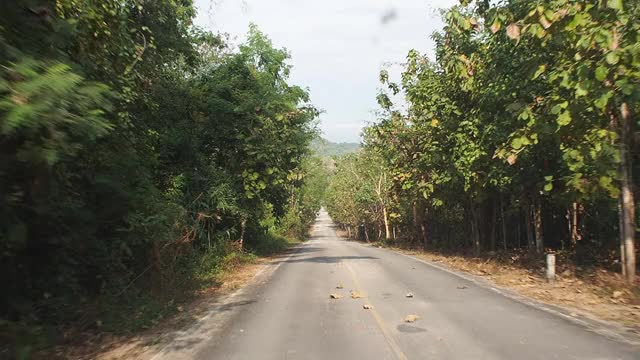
{"type": "Point", "coordinates": [290, 315]}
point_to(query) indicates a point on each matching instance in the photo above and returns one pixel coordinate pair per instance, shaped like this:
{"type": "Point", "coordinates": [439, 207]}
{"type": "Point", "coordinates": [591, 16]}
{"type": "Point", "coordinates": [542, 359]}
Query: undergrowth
{"type": "Point", "coordinates": [143, 304]}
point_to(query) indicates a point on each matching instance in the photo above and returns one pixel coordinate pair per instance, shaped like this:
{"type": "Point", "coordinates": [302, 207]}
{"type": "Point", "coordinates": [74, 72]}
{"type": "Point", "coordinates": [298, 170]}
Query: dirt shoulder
{"type": "Point", "coordinates": [600, 295]}
{"type": "Point", "coordinates": [145, 345]}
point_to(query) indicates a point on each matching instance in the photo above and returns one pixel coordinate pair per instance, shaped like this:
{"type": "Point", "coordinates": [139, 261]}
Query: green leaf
{"type": "Point", "coordinates": [612, 58]}
{"type": "Point", "coordinates": [517, 143]}
{"type": "Point", "coordinates": [601, 73]}
{"type": "Point", "coordinates": [581, 89]}
{"type": "Point", "coordinates": [614, 4]}
{"type": "Point", "coordinates": [605, 181]}
{"type": "Point", "coordinates": [541, 69]}
{"type": "Point", "coordinates": [602, 101]}
{"type": "Point", "coordinates": [548, 187]}
{"type": "Point", "coordinates": [564, 118]}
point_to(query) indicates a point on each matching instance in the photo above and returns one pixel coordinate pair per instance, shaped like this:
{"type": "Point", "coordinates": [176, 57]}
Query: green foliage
{"type": "Point", "coordinates": [512, 135]}
{"type": "Point", "coordinates": [50, 110]}
{"type": "Point", "coordinates": [137, 151]}
{"type": "Point", "coordinates": [359, 192]}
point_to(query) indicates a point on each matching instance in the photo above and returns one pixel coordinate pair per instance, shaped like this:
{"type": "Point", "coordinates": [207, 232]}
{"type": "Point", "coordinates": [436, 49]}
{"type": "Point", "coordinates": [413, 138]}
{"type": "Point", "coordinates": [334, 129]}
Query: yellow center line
{"type": "Point", "coordinates": [383, 328]}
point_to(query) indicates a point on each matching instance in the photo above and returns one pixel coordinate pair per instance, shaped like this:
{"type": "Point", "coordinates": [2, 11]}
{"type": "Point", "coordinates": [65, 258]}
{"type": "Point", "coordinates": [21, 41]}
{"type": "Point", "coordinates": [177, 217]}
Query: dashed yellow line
{"type": "Point", "coordinates": [383, 328]}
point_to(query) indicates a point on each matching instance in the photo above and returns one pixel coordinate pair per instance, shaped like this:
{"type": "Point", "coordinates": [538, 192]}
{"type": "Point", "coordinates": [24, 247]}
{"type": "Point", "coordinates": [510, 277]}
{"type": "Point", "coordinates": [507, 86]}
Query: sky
{"type": "Point", "coordinates": [337, 47]}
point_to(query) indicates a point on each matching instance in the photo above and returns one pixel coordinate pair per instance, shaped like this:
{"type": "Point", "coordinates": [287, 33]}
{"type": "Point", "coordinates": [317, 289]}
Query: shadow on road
{"type": "Point", "coordinates": [329, 259]}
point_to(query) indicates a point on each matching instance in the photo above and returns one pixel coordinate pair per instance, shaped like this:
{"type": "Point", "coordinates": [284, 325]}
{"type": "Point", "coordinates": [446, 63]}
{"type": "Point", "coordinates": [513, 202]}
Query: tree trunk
{"type": "Point", "coordinates": [574, 225]}
{"type": "Point", "coordinates": [504, 226]}
{"type": "Point", "coordinates": [627, 201]}
{"type": "Point", "coordinates": [475, 230]}
{"type": "Point", "coordinates": [243, 226]}
{"type": "Point", "coordinates": [366, 233]}
{"type": "Point", "coordinates": [416, 222]}
{"type": "Point", "coordinates": [156, 265]}
{"type": "Point", "coordinates": [623, 258]}
{"type": "Point", "coordinates": [423, 228]}
{"type": "Point", "coordinates": [387, 233]}
{"type": "Point", "coordinates": [537, 222]}
{"type": "Point", "coordinates": [573, 220]}
{"type": "Point", "coordinates": [528, 224]}
{"type": "Point", "coordinates": [519, 232]}
{"type": "Point", "coordinates": [349, 232]}
{"type": "Point", "coordinates": [494, 218]}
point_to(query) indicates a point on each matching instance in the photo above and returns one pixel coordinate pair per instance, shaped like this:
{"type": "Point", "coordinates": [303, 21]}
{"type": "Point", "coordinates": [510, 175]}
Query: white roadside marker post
{"type": "Point", "coordinates": [551, 267]}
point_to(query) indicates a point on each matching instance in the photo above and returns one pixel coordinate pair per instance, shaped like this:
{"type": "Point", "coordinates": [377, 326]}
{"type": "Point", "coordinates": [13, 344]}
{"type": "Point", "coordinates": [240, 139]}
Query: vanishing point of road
{"type": "Point", "coordinates": [286, 313]}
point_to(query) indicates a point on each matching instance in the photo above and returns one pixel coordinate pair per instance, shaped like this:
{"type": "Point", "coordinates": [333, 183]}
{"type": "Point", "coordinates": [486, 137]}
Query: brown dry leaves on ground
{"type": "Point", "coordinates": [600, 292]}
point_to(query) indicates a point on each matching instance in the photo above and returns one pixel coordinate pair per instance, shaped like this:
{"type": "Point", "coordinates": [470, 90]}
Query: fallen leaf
{"type": "Point", "coordinates": [339, 286]}
{"type": "Point", "coordinates": [409, 295]}
{"type": "Point", "coordinates": [367, 306]}
{"type": "Point", "coordinates": [617, 294]}
{"type": "Point", "coordinates": [180, 308]}
{"type": "Point", "coordinates": [355, 295]}
{"type": "Point", "coordinates": [335, 296]}
{"type": "Point", "coordinates": [411, 318]}
{"type": "Point", "coordinates": [461, 287]}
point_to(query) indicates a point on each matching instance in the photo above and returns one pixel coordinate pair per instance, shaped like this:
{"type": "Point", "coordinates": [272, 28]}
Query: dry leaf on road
{"type": "Point", "coordinates": [335, 296]}
{"type": "Point", "coordinates": [411, 318]}
{"type": "Point", "coordinates": [339, 286]}
{"type": "Point", "coordinates": [461, 287]}
{"type": "Point", "coordinates": [367, 306]}
{"type": "Point", "coordinates": [409, 295]}
{"type": "Point", "coordinates": [355, 295]}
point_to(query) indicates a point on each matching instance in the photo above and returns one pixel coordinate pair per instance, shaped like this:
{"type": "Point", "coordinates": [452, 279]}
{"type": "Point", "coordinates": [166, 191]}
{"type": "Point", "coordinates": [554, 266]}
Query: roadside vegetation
{"type": "Point", "coordinates": [517, 139]}
{"type": "Point", "coordinates": [140, 158]}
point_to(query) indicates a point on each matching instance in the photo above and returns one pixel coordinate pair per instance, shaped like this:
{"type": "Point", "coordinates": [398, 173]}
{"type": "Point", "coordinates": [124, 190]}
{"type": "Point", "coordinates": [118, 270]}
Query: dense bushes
{"type": "Point", "coordinates": [137, 149]}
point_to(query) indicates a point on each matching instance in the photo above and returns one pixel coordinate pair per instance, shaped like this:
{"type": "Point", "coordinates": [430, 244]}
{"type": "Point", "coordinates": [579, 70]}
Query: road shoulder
{"type": "Point", "coordinates": [189, 325]}
{"type": "Point", "coordinates": [618, 331]}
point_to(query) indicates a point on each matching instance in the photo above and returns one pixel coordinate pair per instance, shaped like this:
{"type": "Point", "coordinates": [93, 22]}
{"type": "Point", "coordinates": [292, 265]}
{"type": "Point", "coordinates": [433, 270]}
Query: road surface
{"type": "Point", "coordinates": [289, 315]}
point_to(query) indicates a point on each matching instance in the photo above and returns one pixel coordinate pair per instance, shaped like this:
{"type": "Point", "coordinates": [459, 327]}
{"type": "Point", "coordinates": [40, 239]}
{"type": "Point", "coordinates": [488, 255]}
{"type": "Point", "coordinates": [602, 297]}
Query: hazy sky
{"type": "Point", "coordinates": [337, 46]}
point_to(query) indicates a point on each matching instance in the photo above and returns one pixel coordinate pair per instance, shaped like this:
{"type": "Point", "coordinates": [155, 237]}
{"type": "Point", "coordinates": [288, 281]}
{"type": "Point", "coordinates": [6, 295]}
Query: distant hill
{"type": "Point", "coordinates": [325, 148]}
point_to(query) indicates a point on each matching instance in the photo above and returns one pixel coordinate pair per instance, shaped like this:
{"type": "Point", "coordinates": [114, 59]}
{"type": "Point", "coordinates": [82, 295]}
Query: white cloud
{"type": "Point", "coordinates": [338, 46]}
